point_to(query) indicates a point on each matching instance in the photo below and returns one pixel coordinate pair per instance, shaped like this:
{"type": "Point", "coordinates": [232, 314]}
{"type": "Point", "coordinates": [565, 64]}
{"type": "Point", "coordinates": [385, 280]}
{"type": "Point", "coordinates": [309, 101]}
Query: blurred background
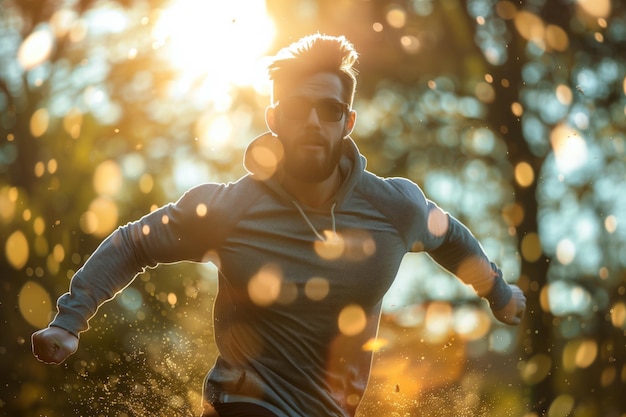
{"type": "Point", "coordinates": [510, 115]}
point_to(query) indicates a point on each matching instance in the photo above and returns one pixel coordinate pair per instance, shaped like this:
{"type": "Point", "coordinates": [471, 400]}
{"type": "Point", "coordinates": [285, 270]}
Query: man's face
{"type": "Point", "coordinates": [310, 122]}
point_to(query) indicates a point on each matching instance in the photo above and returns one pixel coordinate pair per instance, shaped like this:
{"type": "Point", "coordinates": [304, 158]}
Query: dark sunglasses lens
{"type": "Point", "coordinates": [296, 109]}
{"type": "Point", "coordinates": [329, 111]}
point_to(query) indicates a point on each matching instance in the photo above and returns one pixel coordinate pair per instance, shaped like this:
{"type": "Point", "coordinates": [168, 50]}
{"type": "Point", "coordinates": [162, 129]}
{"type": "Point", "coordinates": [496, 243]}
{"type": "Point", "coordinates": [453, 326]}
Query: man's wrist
{"type": "Point", "coordinates": [501, 293]}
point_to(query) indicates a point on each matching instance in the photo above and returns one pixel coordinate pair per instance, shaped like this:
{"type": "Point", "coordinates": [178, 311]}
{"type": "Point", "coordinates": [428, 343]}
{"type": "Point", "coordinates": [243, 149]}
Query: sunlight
{"type": "Point", "coordinates": [220, 41]}
{"type": "Point", "coordinates": [570, 149]}
{"type": "Point", "coordinates": [36, 48]}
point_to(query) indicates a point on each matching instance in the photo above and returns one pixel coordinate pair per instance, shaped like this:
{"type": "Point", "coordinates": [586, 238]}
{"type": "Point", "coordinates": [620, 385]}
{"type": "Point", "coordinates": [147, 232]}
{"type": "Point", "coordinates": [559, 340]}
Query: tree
{"type": "Point", "coordinates": [511, 116]}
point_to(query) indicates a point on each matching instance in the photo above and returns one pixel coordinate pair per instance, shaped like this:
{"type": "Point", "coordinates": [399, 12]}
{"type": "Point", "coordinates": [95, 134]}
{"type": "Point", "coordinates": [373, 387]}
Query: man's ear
{"type": "Point", "coordinates": [270, 119]}
{"type": "Point", "coordinates": [349, 124]}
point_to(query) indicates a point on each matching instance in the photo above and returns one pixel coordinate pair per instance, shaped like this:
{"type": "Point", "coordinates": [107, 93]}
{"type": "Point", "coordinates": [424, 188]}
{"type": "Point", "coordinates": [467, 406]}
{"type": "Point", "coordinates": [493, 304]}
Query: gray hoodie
{"type": "Point", "coordinates": [299, 288]}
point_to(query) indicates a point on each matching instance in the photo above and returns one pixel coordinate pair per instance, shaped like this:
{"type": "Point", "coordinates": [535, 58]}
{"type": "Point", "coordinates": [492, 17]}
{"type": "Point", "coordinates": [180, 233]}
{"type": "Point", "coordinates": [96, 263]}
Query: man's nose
{"type": "Point", "coordinates": [313, 118]}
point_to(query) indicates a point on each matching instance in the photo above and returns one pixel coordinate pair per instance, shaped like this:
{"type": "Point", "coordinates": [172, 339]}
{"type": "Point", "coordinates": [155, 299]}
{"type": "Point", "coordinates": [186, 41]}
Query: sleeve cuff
{"type": "Point", "coordinates": [500, 294]}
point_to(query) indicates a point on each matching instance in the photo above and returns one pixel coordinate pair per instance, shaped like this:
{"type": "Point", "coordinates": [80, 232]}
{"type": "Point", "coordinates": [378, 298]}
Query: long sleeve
{"type": "Point", "coordinates": [176, 232]}
{"type": "Point", "coordinates": [112, 266]}
{"type": "Point", "coordinates": [427, 228]}
{"type": "Point", "coordinates": [461, 254]}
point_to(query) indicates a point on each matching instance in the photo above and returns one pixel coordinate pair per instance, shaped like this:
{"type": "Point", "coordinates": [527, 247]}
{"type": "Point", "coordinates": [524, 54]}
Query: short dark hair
{"type": "Point", "coordinates": [313, 54]}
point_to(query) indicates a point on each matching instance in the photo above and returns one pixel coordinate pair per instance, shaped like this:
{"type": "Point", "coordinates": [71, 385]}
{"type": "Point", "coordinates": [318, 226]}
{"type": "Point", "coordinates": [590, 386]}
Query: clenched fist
{"type": "Point", "coordinates": [53, 345]}
{"type": "Point", "coordinates": [513, 312]}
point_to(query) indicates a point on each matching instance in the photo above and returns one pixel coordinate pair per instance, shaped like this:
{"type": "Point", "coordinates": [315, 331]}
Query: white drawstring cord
{"type": "Point", "coordinates": [306, 219]}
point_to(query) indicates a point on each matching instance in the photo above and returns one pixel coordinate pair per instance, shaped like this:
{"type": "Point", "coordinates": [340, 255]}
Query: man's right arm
{"type": "Point", "coordinates": [173, 233]}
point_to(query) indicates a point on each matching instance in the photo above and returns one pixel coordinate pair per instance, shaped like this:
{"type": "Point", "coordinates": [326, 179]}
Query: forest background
{"type": "Point", "coordinates": [510, 115]}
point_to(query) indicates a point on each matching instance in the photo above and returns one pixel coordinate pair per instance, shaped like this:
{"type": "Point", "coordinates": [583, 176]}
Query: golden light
{"type": "Point", "coordinates": [570, 149]}
{"type": "Point", "coordinates": [610, 223]}
{"type": "Point", "coordinates": [108, 179]}
{"type": "Point", "coordinates": [557, 38]}
{"type": "Point", "coordinates": [16, 250]}
{"type": "Point", "coordinates": [437, 222]}
{"type": "Point", "coordinates": [438, 322]}
{"type": "Point", "coordinates": [517, 109]}
{"type": "Point", "coordinates": [595, 8]}
{"type": "Point", "coordinates": [531, 247]}
{"type": "Point", "coordinates": [267, 159]}
{"type": "Point", "coordinates": [7, 205]}
{"type": "Point", "coordinates": [524, 174]}
{"type": "Point", "coordinates": [72, 123]}
{"type": "Point", "coordinates": [172, 299]}
{"type": "Point", "coordinates": [598, 37]}
{"type": "Point", "coordinates": [201, 210]}
{"type": "Point", "coordinates": [217, 40]}
{"type": "Point", "coordinates": [316, 288]}
{"type": "Point", "coordinates": [352, 320]}
{"type": "Point", "coordinates": [536, 369]}
{"type": "Point", "coordinates": [562, 405]}
{"type": "Point", "coordinates": [485, 92]}
{"type": "Point", "coordinates": [471, 323]}
{"type": "Point", "coordinates": [569, 355]}
{"type": "Point", "coordinates": [213, 132]}
{"type": "Point", "coordinates": [35, 304]}
{"type": "Point", "coordinates": [396, 17]}
{"type": "Point", "coordinates": [39, 122]}
{"type": "Point", "coordinates": [101, 217]}
{"type": "Point", "coordinates": [35, 49]}
{"type": "Point", "coordinates": [586, 353]}
{"type": "Point", "coordinates": [618, 315]}
{"type": "Point", "coordinates": [146, 183]}
{"type": "Point", "coordinates": [377, 27]}
{"type": "Point", "coordinates": [58, 252]}
{"type": "Point", "coordinates": [564, 94]}
{"type": "Point", "coordinates": [565, 251]}
{"type": "Point", "coordinates": [410, 43]}
{"type": "Point", "coordinates": [53, 165]}
{"type": "Point", "coordinates": [264, 288]}
{"type": "Point", "coordinates": [375, 344]}
{"type": "Point", "coordinates": [40, 169]}
{"type": "Point", "coordinates": [530, 26]}
{"type": "Point", "coordinates": [331, 248]}
{"type": "Point", "coordinates": [39, 226]}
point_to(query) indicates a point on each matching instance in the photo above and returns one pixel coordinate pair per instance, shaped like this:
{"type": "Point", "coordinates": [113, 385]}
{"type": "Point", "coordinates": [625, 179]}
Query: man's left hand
{"type": "Point", "coordinates": [513, 312]}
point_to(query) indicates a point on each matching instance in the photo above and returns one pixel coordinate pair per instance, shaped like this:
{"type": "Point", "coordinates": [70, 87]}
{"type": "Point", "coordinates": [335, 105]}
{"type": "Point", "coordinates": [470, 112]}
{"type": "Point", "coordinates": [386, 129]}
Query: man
{"type": "Point", "coordinates": [306, 245]}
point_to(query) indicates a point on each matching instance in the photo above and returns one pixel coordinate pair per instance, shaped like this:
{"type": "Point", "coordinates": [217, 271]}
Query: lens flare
{"type": "Point", "coordinates": [219, 40]}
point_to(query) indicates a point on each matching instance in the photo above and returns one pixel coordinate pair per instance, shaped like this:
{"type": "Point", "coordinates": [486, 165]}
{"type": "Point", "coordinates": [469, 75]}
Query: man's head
{"type": "Point", "coordinates": [313, 54]}
{"type": "Point", "coordinates": [314, 85]}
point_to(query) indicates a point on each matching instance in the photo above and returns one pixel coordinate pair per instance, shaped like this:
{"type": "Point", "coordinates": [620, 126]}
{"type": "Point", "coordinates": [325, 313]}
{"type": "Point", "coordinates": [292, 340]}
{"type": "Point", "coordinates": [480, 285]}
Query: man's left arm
{"type": "Point", "coordinates": [460, 253]}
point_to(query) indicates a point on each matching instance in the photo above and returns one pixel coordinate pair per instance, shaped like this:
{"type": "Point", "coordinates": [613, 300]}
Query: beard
{"type": "Point", "coordinates": [311, 166]}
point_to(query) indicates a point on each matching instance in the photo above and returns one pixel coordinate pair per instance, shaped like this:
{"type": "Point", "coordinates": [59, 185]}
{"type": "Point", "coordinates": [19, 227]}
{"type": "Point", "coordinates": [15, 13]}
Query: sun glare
{"type": "Point", "coordinates": [220, 41]}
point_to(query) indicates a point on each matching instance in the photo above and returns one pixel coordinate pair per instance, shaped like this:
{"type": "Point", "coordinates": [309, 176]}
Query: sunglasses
{"type": "Point", "coordinates": [297, 108]}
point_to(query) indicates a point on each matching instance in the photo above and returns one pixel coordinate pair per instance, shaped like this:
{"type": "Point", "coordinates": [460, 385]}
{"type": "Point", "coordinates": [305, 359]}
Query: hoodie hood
{"type": "Point", "coordinates": [264, 157]}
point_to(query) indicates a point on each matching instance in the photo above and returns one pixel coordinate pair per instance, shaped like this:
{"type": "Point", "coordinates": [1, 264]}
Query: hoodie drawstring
{"type": "Point", "coordinates": [306, 219]}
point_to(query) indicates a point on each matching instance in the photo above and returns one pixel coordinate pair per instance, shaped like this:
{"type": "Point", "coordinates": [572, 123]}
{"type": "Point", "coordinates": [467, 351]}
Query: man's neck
{"type": "Point", "coordinates": [313, 194]}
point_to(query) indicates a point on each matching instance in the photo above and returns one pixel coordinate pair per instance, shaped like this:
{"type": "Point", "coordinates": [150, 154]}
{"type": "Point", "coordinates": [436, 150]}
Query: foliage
{"type": "Point", "coordinates": [509, 115]}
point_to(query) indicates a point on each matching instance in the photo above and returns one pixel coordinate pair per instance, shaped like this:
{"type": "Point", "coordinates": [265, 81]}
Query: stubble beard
{"type": "Point", "coordinates": [313, 169]}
